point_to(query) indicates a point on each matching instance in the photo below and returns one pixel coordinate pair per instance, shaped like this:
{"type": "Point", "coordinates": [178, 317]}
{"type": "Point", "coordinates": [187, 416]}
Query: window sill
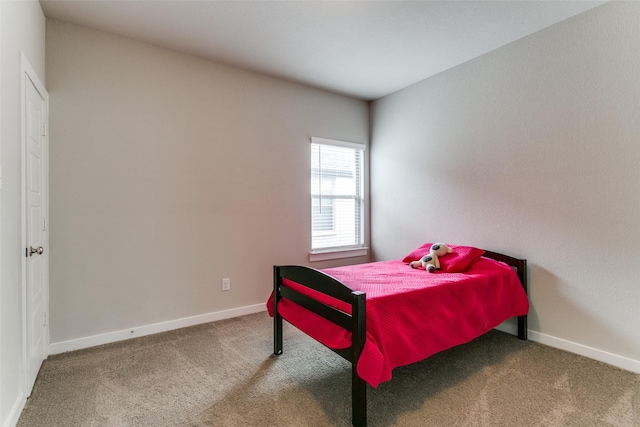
{"type": "Point", "coordinates": [337, 254]}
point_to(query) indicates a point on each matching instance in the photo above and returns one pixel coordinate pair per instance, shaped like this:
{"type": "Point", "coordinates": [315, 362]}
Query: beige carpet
{"type": "Point", "coordinates": [223, 374]}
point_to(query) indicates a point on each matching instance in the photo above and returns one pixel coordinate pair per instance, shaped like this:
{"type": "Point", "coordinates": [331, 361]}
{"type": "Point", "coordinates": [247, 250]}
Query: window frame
{"type": "Point", "coordinates": [352, 250]}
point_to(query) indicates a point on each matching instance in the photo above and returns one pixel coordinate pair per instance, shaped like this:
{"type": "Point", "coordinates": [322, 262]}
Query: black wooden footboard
{"type": "Point", "coordinates": [354, 322]}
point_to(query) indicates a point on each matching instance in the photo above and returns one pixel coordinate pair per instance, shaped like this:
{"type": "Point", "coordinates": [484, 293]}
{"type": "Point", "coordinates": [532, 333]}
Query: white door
{"type": "Point", "coordinates": [36, 274]}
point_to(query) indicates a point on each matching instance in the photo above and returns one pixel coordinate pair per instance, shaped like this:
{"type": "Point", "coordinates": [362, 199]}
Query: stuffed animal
{"type": "Point", "coordinates": [430, 261]}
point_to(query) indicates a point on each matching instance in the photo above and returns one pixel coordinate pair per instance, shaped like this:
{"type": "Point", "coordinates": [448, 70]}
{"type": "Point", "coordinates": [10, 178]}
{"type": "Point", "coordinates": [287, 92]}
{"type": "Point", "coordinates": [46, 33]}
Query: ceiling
{"type": "Point", "coordinates": [363, 49]}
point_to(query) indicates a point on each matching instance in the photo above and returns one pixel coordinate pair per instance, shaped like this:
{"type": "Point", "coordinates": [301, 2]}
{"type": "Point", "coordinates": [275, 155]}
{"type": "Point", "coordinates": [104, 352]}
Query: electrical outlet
{"type": "Point", "coordinates": [226, 284]}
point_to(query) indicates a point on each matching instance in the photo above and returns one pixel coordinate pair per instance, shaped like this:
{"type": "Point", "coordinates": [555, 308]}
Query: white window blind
{"type": "Point", "coordinates": [336, 195]}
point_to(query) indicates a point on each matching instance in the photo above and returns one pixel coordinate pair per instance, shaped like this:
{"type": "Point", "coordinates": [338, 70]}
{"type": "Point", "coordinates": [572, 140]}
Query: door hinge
{"type": "Point", "coordinates": [45, 319]}
{"type": "Point", "coordinates": [44, 224]}
{"type": "Point", "coordinates": [44, 129]}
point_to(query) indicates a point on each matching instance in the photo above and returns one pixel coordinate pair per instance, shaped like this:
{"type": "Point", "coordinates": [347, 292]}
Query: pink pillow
{"type": "Point", "coordinates": [459, 260]}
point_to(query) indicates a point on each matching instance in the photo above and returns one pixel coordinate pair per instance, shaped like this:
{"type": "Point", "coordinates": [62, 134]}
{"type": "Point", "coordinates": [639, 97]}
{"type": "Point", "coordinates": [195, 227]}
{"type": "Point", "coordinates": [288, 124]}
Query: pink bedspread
{"type": "Point", "coordinates": [412, 314]}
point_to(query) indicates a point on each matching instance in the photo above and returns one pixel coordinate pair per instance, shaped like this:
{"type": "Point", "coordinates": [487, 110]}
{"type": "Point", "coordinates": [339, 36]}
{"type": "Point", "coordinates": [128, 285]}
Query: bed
{"type": "Point", "coordinates": [382, 315]}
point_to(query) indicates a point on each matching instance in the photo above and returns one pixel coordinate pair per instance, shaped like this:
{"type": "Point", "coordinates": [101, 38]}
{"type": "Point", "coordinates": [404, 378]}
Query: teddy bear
{"type": "Point", "coordinates": [430, 261]}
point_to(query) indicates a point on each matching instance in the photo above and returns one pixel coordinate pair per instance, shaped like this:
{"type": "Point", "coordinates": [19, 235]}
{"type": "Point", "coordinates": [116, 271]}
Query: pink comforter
{"type": "Point", "coordinates": [412, 314]}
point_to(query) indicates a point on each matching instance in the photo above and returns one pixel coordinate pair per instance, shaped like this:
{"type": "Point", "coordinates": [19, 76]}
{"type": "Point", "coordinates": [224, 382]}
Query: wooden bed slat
{"type": "Point", "coordinates": [336, 316]}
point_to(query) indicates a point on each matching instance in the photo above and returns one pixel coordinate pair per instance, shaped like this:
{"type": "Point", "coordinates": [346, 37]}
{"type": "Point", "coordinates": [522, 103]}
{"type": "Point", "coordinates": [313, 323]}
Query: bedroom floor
{"type": "Point", "coordinates": [223, 374]}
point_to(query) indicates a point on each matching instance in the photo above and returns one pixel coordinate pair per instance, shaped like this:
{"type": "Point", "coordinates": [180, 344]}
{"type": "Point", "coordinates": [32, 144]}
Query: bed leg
{"type": "Point", "coordinates": [358, 337]}
{"type": "Point", "coordinates": [522, 327]}
{"type": "Point", "coordinates": [358, 399]}
{"type": "Point", "coordinates": [277, 335]}
{"type": "Point", "coordinates": [277, 319]}
{"type": "Point", "coordinates": [522, 320]}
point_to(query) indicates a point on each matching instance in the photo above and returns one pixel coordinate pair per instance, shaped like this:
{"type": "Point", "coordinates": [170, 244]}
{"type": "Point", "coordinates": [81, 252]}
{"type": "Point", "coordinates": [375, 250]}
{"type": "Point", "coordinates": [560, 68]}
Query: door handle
{"type": "Point", "coordinates": [39, 250]}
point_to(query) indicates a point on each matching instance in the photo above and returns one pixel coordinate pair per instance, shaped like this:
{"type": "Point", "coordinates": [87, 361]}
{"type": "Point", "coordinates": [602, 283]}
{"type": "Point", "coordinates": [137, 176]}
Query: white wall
{"type": "Point", "coordinates": [169, 173]}
{"type": "Point", "coordinates": [22, 29]}
{"type": "Point", "coordinates": [532, 150]}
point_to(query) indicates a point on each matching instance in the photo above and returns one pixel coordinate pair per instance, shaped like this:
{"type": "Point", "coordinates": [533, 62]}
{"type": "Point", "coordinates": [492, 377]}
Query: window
{"type": "Point", "coordinates": [337, 201]}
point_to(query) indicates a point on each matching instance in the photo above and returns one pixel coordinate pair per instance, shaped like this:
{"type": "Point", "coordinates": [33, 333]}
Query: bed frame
{"type": "Point", "coordinates": [354, 322]}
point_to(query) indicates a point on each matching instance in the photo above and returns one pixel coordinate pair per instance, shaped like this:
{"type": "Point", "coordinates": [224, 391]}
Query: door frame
{"type": "Point", "coordinates": [28, 73]}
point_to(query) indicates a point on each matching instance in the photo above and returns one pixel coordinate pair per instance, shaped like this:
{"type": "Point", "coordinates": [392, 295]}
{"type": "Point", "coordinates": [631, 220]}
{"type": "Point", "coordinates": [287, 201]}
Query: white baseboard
{"type": "Point", "coordinates": [511, 328]}
{"type": "Point", "coordinates": [621, 362]}
{"type": "Point", "coordinates": [14, 414]}
{"type": "Point", "coordinates": [140, 331]}
{"type": "Point", "coordinates": [580, 349]}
